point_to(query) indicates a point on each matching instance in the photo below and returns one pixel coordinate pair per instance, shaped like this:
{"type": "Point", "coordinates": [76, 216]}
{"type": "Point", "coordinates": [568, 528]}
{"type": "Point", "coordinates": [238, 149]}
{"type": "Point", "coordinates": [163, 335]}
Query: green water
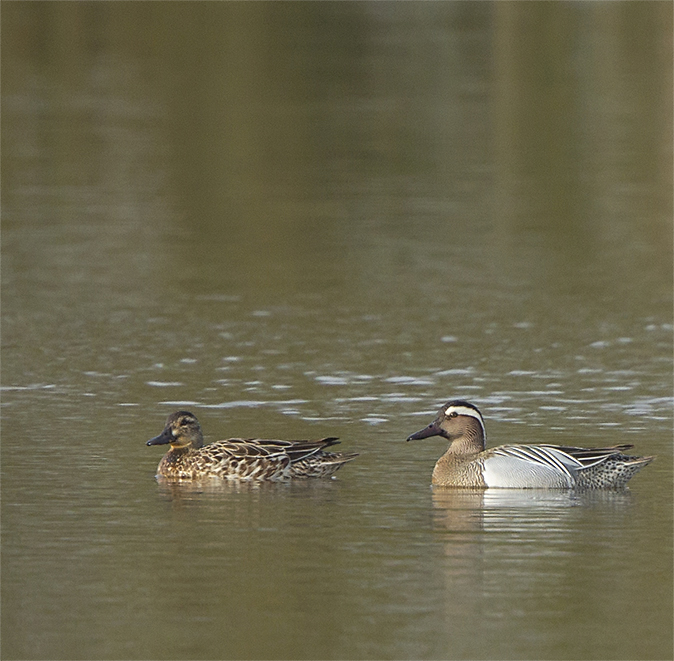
{"type": "Point", "coordinates": [311, 219]}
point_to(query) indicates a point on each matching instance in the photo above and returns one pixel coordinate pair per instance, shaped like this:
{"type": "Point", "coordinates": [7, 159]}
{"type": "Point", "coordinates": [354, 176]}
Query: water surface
{"type": "Point", "coordinates": [299, 220]}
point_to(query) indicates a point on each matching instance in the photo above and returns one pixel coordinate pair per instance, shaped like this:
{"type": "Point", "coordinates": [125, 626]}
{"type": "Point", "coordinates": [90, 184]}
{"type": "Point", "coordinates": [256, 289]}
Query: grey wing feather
{"type": "Point", "coordinates": [543, 455]}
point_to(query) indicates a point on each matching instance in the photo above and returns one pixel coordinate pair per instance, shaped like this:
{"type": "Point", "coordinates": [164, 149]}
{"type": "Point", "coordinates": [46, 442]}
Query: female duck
{"type": "Point", "coordinates": [241, 459]}
{"type": "Point", "coordinates": [467, 462]}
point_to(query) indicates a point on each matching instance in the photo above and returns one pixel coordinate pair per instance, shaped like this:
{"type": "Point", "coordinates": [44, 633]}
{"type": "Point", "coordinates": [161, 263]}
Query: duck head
{"type": "Point", "coordinates": [457, 419]}
{"type": "Point", "coordinates": [182, 430]}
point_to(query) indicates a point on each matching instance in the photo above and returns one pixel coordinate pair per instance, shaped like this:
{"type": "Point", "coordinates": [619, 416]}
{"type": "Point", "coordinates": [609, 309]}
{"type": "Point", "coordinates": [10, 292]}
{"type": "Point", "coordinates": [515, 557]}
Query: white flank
{"type": "Point", "coordinates": [524, 467]}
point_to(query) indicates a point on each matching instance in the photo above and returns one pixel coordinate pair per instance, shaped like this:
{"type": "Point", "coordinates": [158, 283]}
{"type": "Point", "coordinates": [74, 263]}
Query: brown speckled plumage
{"type": "Point", "coordinates": [241, 459]}
{"type": "Point", "coordinates": [467, 462]}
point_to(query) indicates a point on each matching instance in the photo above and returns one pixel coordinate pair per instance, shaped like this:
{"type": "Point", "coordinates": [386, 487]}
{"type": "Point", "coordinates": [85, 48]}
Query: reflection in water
{"type": "Point", "coordinates": [175, 489]}
{"type": "Point", "coordinates": [484, 509]}
{"type": "Point", "coordinates": [240, 495]}
{"type": "Point", "coordinates": [457, 510]}
{"type": "Point", "coordinates": [512, 557]}
{"type": "Point", "coordinates": [182, 491]}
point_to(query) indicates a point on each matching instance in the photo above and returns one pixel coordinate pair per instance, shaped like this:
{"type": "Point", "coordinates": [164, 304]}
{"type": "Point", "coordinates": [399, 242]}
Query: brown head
{"type": "Point", "coordinates": [457, 420]}
{"type": "Point", "coordinates": [182, 430]}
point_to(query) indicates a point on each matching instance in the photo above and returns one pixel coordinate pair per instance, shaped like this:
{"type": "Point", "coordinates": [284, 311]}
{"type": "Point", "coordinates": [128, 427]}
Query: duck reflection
{"type": "Point", "coordinates": [481, 509]}
{"type": "Point", "coordinates": [249, 504]}
{"type": "Point", "coordinates": [458, 510]}
{"type": "Point", "coordinates": [518, 546]}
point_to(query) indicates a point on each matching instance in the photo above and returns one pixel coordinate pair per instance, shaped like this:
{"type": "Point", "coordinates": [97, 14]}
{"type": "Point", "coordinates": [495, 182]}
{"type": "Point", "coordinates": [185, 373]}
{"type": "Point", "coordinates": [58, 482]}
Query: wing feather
{"type": "Point", "coordinates": [542, 455]}
{"type": "Point", "coordinates": [564, 458]}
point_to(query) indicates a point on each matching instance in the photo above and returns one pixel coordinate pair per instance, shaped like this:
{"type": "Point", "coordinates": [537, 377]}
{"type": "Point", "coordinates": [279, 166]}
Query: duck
{"type": "Point", "coordinates": [241, 459]}
{"type": "Point", "coordinates": [468, 463]}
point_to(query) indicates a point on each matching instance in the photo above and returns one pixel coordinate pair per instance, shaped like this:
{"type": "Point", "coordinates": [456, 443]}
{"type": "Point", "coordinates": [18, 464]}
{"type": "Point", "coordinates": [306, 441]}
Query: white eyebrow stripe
{"type": "Point", "coordinates": [464, 410]}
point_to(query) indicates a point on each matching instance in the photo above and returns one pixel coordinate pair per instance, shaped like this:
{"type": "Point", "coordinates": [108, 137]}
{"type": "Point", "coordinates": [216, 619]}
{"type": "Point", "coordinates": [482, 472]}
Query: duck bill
{"type": "Point", "coordinates": [432, 430]}
{"type": "Point", "coordinates": [163, 439]}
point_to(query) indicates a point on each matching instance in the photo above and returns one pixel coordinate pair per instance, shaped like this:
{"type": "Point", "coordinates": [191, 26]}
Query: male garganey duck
{"type": "Point", "coordinates": [467, 462]}
{"type": "Point", "coordinates": [241, 459]}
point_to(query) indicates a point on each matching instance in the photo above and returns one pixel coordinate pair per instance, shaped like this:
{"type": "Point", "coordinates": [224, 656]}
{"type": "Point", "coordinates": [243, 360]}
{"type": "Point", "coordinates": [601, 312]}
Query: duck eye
{"type": "Point", "coordinates": [453, 414]}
